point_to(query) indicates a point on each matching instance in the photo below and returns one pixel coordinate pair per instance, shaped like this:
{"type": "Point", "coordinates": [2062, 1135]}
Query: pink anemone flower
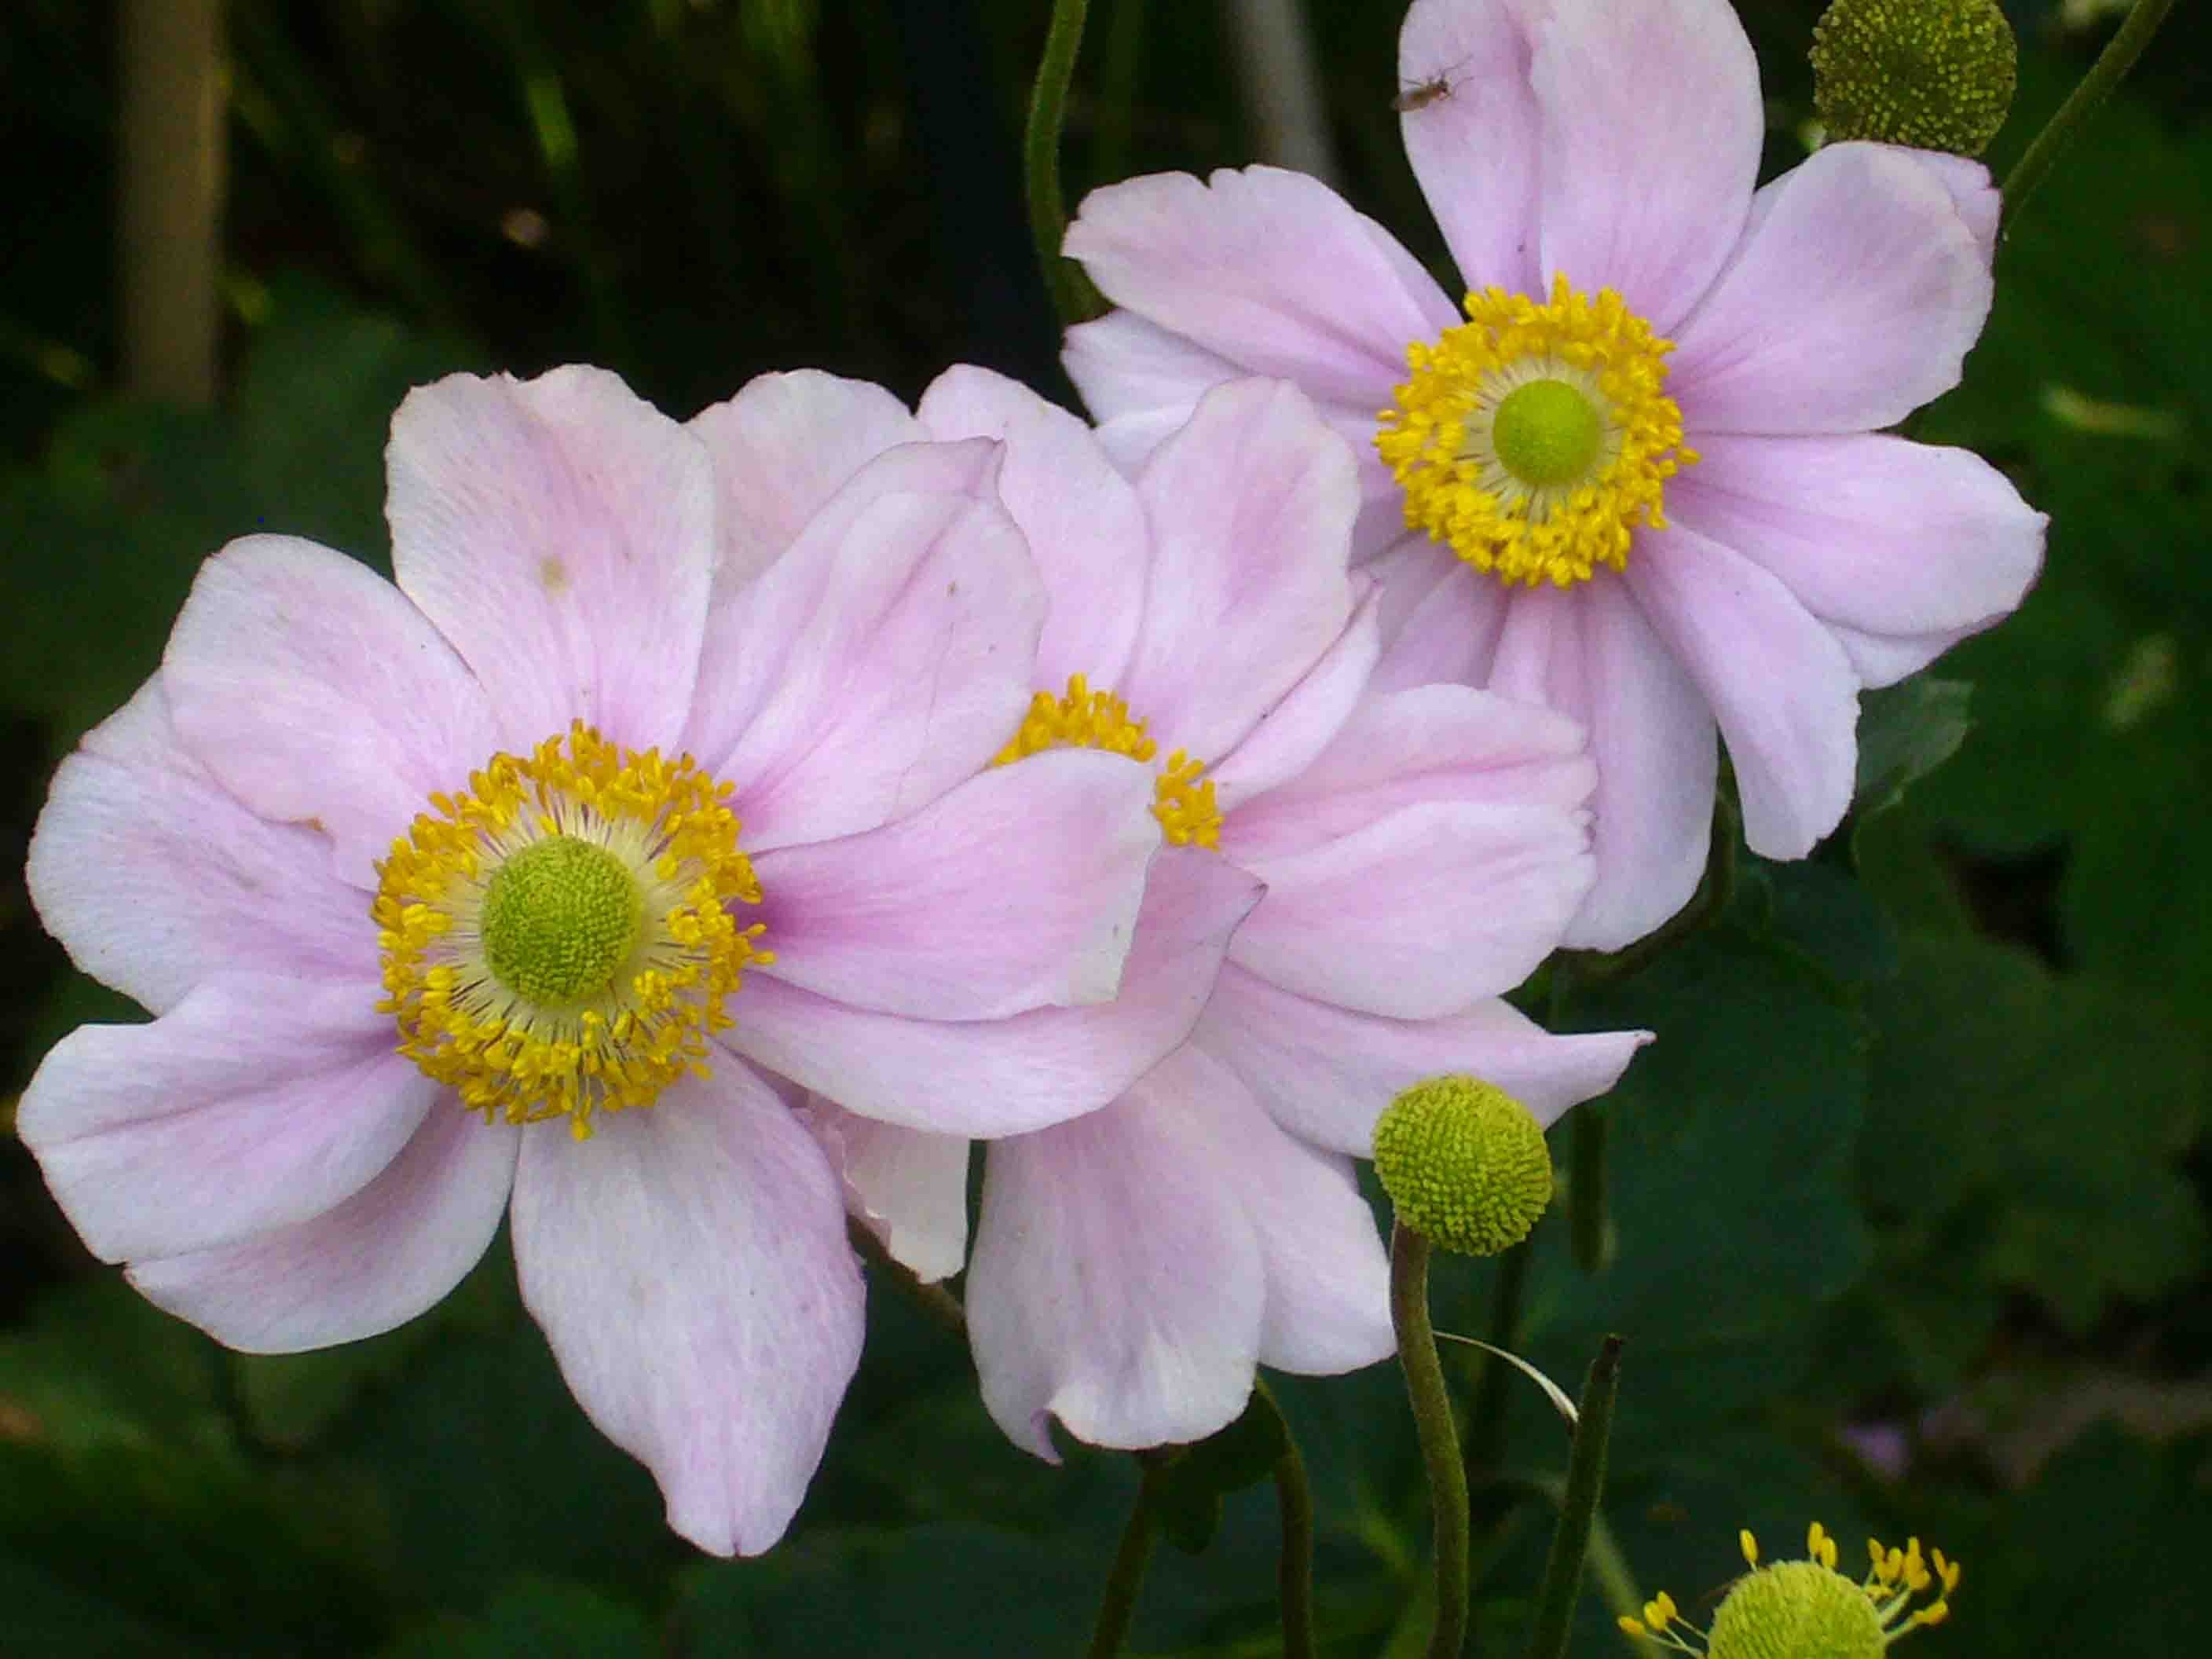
{"type": "Point", "coordinates": [1419, 853]}
{"type": "Point", "coordinates": [506, 890]}
{"type": "Point", "coordinates": [1638, 475]}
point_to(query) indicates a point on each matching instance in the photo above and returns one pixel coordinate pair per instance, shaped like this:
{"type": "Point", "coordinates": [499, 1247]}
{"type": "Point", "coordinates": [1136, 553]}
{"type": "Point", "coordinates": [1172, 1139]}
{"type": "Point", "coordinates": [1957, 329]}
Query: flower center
{"type": "Point", "coordinates": [1808, 1609]}
{"type": "Point", "coordinates": [559, 917]}
{"type": "Point", "coordinates": [1533, 440]}
{"type": "Point", "coordinates": [1182, 796]}
{"type": "Point", "coordinates": [558, 939]}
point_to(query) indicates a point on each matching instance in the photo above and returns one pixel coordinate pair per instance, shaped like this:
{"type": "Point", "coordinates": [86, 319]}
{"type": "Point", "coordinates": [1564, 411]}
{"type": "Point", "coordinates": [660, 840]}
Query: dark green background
{"type": "Point", "coordinates": [1922, 1148]}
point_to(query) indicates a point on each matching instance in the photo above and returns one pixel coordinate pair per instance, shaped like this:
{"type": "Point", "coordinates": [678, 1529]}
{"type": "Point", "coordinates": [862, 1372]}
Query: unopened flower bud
{"type": "Point", "coordinates": [1464, 1163]}
{"type": "Point", "coordinates": [1934, 74]}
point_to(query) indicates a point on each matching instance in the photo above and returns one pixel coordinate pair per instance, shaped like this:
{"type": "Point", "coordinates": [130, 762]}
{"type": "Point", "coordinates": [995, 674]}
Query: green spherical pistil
{"type": "Point", "coordinates": [1934, 74]}
{"type": "Point", "coordinates": [1547, 433]}
{"type": "Point", "coordinates": [1464, 1163]}
{"type": "Point", "coordinates": [560, 917]}
{"type": "Point", "coordinates": [1795, 1610]}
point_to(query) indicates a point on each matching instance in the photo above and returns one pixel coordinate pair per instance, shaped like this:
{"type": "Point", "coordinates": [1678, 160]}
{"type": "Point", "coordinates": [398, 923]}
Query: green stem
{"type": "Point", "coordinates": [1072, 296]}
{"type": "Point", "coordinates": [1118, 1606]}
{"type": "Point", "coordinates": [939, 1304]}
{"type": "Point", "coordinates": [2111, 68]}
{"type": "Point", "coordinates": [1562, 1569]}
{"type": "Point", "coordinates": [1486, 1432]}
{"type": "Point", "coordinates": [1294, 1573]}
{"type": "Point", "coordinates": [1432, 1422]}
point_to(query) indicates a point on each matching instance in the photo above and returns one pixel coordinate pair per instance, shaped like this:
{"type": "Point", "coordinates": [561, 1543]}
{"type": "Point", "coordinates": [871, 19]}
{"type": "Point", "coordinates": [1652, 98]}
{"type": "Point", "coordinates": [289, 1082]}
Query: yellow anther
{"type": "Point", "coordinates": [1507, 500]}
{"type": "Point", "coordinates": [1749, 1545]}
{"type": "Point", "coordinates": [522, 1021]}
{"type": "Point", "coordinates": [1182, 796]}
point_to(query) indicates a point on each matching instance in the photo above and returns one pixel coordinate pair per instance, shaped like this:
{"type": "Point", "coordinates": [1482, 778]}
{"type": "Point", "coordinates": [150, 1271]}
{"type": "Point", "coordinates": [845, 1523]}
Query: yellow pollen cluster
{"type": "Point", "coordinates": [1183, 795]}
{"type": "Point", "coordinates": [1526, 524]}
{"type": "Point", "coordinates": [1808, 1610]}
{"type": "Point", "coordinates": [489, 993]}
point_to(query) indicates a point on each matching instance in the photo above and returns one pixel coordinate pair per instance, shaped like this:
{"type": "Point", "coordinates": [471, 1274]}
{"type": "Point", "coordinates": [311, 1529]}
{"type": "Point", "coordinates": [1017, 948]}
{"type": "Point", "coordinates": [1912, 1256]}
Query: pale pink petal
{"type": "Point", "coordinates": [390, 1252]}
{"type": "Point", "coordinates": [1327, 1306]}
{"type": "Point", "coordinates": [560, 532]}
{"type": "Point", "coordinates": [1142, 383]}
{"type": "Point", "coordinates": [155, 879]}
{"type": "Point", "coordinates": [1473, 133]}
{"type": "Point", "coordinates": [1446, 744]}
{"type": "Point", "coordinates": [690, 1265]}
{"type": "Point", "coordinates": [1441, 616]}
{"type": "Point", "coordinates": [1292, 733]}
{"type": "Point", "coordinates": [256, 1103]}
{"type": "Point", "coordinates": [1003, 1077]}
{"type": "Point", "coordinates": [760, 633]}
{"type": "Point", "coordinates": [1326, 1073]}
{"type": "Point", "coordinates": [1885, 658]}
{"type": "Point", "coordinates": [1085, 527]}
{"type": "Point", "coordinates": [1117, 1284]}
{"type": "Point", "coordinates": [909, 1186]}
{"type": "Point", "coordinates": [1778, 682]}
{"type": "Point", "coordinates": [782, 448]}
{"type": "Point", "coordinates": [1652, 125]}
{"type": "Point", "coordinates": [1905, 541]}
{"type": "Point", "coordinates": [1973, 193]}
{"type": "Point", "coordinates": [1251, 506]}
{"type": "Point", "coordinates": [1139, 380]}
{"type": "Point", "coordinates": [1591, 654]}
{"type": "Point", "coordinates": [1018, 889]}
{"type": "Point", "coordinates": [312, 689]}
{"type": "Point", "coordinates": [1421, 910]}
{"type": "Point", "coordinates": [1853, 300]}
{"type": "Point", "coordinates": [1271, 269]}
{"type": "Point", "coordinates": [895, 651]}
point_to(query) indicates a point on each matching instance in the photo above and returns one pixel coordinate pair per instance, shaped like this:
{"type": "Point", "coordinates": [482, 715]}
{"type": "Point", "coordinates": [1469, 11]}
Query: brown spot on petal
{"type": "Point", "coordinates": [553, 574]}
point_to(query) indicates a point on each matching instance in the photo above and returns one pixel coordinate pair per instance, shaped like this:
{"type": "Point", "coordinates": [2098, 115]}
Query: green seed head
{"type": "Point", "coordinates": [1464, 1163]}
{"type": "Point", "coordinates": [1934, 74]}
{"type": "Point", "coordinates": [1795, 1610]}
{"type": "Point", "coordinates": [1546, 432]}
{"type": "Point", "coordinates": [560, 917]}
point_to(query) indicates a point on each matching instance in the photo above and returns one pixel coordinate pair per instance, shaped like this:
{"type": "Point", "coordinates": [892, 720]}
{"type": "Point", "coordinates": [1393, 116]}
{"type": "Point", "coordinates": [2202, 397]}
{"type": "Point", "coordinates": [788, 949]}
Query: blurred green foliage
{"type": "Point", "coordinates": [1908, 1206]}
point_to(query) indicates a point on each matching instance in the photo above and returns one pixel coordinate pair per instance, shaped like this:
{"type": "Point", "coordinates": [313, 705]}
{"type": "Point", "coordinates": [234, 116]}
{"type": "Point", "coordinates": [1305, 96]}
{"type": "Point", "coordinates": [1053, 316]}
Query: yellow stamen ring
{"type": "Point", "coordinates": [1535, 440]}
{"type": "Point", "coordinates": [558, 939]}
{"type": "Point", "coordinates": [1182, 796]}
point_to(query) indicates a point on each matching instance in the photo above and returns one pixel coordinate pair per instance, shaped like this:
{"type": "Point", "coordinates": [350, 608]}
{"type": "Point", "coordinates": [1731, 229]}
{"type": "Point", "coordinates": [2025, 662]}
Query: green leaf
{"type": "Point", "coordinates": [1188, 1485]}
{"type": "Point", "coordinates": [1905, 732]}
{"type": "Point", "coordinates": [1732, 1145]}
{"type": "Point", "coordinates": [2058, 1106]}
{"type": "Point", "coordinates": [535, 1618]}
{"type": "Point", "coordinates": [921, 1593]}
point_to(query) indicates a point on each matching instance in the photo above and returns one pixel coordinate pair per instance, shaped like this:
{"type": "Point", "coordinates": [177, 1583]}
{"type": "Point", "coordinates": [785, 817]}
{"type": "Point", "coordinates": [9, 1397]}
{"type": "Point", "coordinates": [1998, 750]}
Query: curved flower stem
{"type": "Point", "coordinates": [1294, 1573]}
{"type": "Point", "coordinates": [1563, 1568]}
{"type": "Point", "coordinates": [2111, 68]}
{"type": "Point", "coordinates": [939, 1304]}
{"type": "Point", "coordinates": [1118, 1606]}
{"type": "Point", "coordinates": [1432, 1421]}
{"type": "Point", "coordinates": [1485, 1430]}
{"type": "Point", "coordinates": [1072, 296]}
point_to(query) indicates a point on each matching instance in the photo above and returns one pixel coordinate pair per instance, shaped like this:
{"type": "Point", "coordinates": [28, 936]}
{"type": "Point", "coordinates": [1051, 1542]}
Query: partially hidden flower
{"type": "Point", "coordinates": [1808, 1609]}
{"type": "Point", "coordinates": [1639, 475]}
{"type": "Point", "coordinates": [1419, 853]}
{"type": "Point", "coordinates": [508, 890]}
